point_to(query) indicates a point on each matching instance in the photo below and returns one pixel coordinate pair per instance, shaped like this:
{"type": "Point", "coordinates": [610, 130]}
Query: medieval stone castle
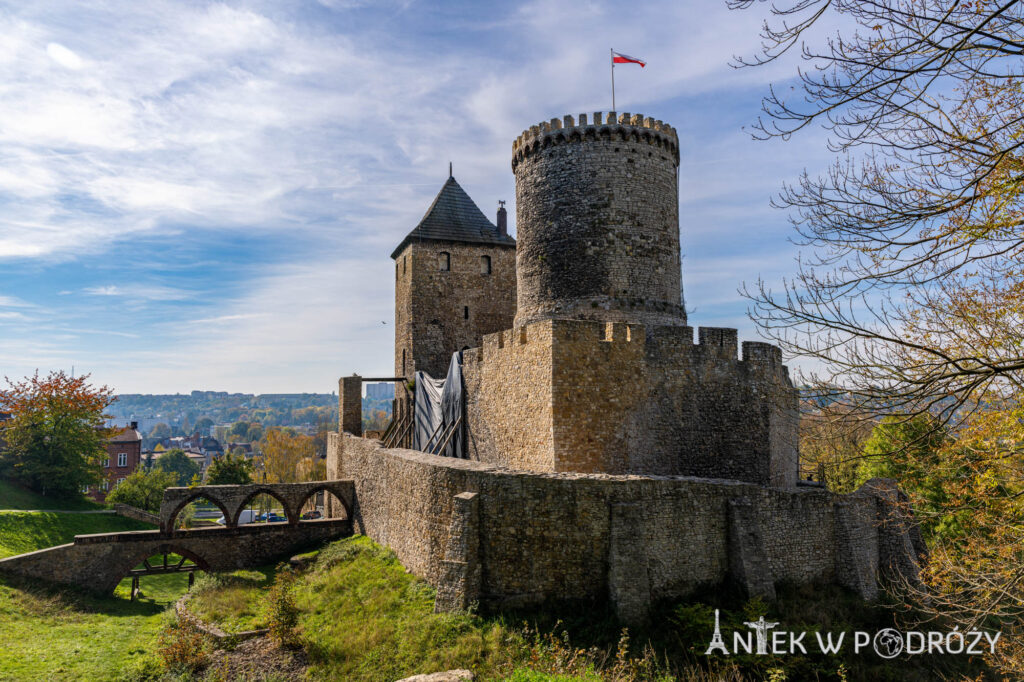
{"type": "Point", "coordinates": [595, 450]}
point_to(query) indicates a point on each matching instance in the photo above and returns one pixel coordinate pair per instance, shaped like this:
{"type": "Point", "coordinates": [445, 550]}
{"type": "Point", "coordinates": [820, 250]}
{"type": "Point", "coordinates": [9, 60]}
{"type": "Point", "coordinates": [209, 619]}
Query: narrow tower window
{"type": "Point", "coordinates": [465, 312]}
{"type": "Point", "coordinates": [444, 261]}
{"type": "Point", "coordinates": [403, 362]}
{"type": "Point", "coordinates": [485, 265]}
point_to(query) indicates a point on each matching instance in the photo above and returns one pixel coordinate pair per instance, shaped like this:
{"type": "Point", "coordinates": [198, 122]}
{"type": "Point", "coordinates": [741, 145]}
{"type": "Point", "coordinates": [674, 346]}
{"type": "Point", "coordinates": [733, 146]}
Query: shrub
{"type": "Point", "coordinates": [282, 611]}
{"type": "Point", "coordinates": [182, 648]}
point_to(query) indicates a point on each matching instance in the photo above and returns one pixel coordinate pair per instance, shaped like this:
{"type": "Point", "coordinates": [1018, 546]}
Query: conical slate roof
{"type": "Point", "coordinates": [453, 217]}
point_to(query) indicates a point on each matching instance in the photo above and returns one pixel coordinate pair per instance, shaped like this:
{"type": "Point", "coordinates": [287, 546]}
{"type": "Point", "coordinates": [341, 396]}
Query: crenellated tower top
{"type": "Point", "coordinates": [597, 218]}
{"type": "Point", "coordinates": [600, 125]}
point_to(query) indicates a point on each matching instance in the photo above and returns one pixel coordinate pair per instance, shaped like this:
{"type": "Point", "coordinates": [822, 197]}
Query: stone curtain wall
{"type": "Point", "coordinates": [600, 391]}
{"type": "Point", "coordinates": [597, 219]}
{"type": "Point", "coordinates": [431, 319]}
{"type": "Point", "coordinates": [595, 397]}
{"type": "Point", "coordinates": [509, 417]}
{"type": "Point", "coordinates": [549, 536]}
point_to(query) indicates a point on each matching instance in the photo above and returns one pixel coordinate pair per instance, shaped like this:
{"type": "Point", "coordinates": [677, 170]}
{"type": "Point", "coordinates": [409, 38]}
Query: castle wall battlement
{"type": "Point", "coordinates": [549, 331]}
{"type": "Point", "coordinates": [592, 396]}
{"type": "Point", "coordinates": [636, 127]}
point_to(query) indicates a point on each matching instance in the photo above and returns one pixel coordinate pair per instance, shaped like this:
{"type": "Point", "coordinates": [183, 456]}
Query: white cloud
{"type": "Point", "coordinates": [123, 120]}
{"type": "Point", "coordinates": [64, 56]}
{"type": "Point", "coordinates": [141, 292]}
{"type": "Point", "coordinates": [13, 302]}
{"type": "Point", "coordinates": [103, 291]}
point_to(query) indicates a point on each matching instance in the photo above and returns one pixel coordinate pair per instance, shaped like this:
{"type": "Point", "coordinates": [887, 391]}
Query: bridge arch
{"type": "Point", "coordinates": [120, 571]}
{"type": "Point", "coordinates": [199, 495]}
{"type": "Point", "coordinates": [268, 490]}
{"type": "Point", "coordinates": [329, 489]}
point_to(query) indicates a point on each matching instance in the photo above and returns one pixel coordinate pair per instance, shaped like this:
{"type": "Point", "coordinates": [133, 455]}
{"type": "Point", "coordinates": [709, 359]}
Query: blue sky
{"type": "Point", "coordinates": [204, 195]}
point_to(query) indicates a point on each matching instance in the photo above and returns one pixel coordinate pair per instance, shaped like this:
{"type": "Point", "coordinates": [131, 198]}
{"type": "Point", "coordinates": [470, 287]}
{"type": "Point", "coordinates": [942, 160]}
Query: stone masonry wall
{"type": "Point", "coordinates": [597, 219]}
{"type": "Point", "coordinates": [508, 387]}
{"type": "Point", "coordinates": [439, 312]}
{"type": "Point", "coordinates": [544, 536]}
{"type": "Point", "coordinates": [595, 397]}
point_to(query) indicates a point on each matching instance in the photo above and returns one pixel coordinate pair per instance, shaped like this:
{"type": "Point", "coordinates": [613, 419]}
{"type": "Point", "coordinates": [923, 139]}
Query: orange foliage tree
{"type": "Point", "coordinates": [54, 442]}
{"type": "Point", "coordinates": [287, 457]}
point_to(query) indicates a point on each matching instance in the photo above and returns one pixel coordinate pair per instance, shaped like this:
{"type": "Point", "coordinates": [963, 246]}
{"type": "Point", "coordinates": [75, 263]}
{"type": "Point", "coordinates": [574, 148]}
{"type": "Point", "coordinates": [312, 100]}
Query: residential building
{"type": "Point", "coordinates": [124, 455]}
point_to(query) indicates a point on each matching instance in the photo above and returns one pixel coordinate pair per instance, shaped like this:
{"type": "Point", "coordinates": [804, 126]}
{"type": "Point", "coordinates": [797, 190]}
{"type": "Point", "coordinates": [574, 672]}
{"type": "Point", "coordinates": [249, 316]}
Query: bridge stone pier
{"type": "Point", "coordinates": [232, 499]}
{"type": "Point", "coordinates": [97, 563]}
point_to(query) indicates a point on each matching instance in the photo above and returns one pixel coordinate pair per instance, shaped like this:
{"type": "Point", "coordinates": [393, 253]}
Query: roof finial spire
{"type": "Point", "coordinates": [449, 169]}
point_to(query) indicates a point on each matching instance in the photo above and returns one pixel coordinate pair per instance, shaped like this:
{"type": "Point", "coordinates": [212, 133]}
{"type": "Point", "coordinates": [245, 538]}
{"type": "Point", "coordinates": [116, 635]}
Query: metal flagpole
{"type": "Point", "coordinates": [611, 56]}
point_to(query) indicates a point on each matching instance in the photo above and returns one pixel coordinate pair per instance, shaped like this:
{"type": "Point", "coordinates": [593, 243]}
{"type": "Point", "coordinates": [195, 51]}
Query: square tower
{"type": "Point", "coordinates": [455, 281]}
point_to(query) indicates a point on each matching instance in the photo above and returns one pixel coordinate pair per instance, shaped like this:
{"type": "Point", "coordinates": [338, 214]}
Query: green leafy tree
{"type": "Point", "coordinates": [254, 433]}
{"type": "Point", "coordinates": [239, 429]}
{"type": "Point", "coordinates": [913, 451]}
{"type": "Point", "coordinates": [229, 470]}
{"type": "Point", "coordinates": [160, 431]}
{"type": "Point", "coordinates": [204, 425]}
{"type": "Point", "coordinates": [143, 489]}
{"type": "Point", "coordinates": [175, 461]}
{"type": "Point", "coordinates": [55, 439]}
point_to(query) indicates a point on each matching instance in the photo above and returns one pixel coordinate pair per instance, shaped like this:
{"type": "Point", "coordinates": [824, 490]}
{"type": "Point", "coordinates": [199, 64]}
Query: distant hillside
{"type": "Point", "coordinates": [182, 411]}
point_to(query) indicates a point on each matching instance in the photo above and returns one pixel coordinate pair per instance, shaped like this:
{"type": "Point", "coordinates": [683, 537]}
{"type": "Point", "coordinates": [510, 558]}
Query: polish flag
{"type": "Point", "coordinates": [618, 58]}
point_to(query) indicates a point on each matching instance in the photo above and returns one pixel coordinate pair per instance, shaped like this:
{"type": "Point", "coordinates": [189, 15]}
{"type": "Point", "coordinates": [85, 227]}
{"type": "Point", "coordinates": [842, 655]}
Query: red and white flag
{"type": "Point", "coordinates": [619, 58]}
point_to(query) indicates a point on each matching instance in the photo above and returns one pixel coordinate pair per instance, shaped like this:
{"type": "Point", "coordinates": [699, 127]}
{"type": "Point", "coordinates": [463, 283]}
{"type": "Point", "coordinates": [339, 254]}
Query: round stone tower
{"type": "Point", "coordinates": [597, 220]}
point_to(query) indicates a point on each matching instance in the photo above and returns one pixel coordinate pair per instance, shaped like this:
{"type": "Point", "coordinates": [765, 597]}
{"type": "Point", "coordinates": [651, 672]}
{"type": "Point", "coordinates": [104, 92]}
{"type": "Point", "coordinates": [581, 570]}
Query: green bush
{"type": "Point", "coordinates": [282, 611]}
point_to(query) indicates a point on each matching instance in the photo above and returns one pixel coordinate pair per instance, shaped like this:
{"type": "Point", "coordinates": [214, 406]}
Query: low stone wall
{"type": "Point", "coordinates": [130, 512]}
{"type": "Point", "coordinates": [590, 536]}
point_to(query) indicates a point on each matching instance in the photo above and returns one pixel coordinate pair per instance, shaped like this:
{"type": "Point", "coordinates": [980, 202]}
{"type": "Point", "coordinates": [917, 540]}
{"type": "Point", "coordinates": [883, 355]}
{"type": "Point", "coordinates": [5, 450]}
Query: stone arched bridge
{"type": "Point", "coordinates": [97, 563]}
{"type": "Point", "coordinates": [232, 499]}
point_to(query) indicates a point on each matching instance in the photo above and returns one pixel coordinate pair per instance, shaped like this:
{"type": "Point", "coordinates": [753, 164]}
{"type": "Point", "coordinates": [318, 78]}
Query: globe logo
{"type": "Point", "coordinates": [888, 643]}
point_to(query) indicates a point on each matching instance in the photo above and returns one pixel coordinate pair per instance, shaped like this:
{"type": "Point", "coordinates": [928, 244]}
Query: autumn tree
{"type": "Point", "coordinates": [832, 445]}
{"type": "Point", "coordinates": [286, 456]}
{"type": "Point", "coordinates": [55, 440]}
{"type": "Point", "coordinates": [909, 294]}
{"type": "Point", "coordinates": [254, 433]}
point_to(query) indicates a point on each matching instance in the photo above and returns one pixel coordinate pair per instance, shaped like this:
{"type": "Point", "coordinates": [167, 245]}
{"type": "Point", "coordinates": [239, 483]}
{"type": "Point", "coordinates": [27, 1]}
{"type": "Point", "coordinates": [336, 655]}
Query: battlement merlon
{"type": "Point", "coordinates": [568, 127]}
{"type": "Point", "coordinates": [721, 343]}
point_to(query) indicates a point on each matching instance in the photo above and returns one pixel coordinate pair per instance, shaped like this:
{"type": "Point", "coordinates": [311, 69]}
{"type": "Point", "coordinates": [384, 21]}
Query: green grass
{"type": "Point", "coordinates": [51, 634]}
{"type": "Point", "coordinates": [47, 634]}
{"type": "Point", "coordinates": [233, 602]}
{"type": "Point", "coordinates": [13, 496]}
{"type": "Point", "coordinates": [364, 618]}
{"type": "Point", "coordinates": [22, 532]}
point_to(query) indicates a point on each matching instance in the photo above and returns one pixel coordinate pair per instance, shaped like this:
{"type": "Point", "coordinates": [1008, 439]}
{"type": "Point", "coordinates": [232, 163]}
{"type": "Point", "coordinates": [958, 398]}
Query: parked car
{"type": "Point", "coordinates": [247, 516]}
{"type": "Point", "coordinates": [270, 517]}
{"type": "Point", "coordinates": [315, 514]}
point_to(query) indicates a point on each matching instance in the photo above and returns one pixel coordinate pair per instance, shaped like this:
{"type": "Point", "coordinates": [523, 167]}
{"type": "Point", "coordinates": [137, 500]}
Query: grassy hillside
{"type": "Point", "coordinates": [13, 496]}
{"type": "Point", "coordinates": [362, 617]}
{"type": "Point", "coordinates": [48, 635]}
{"type": "Point", "coordinates": [28, 531]}
{"type": "Point", "coordinates": [51, 634]}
